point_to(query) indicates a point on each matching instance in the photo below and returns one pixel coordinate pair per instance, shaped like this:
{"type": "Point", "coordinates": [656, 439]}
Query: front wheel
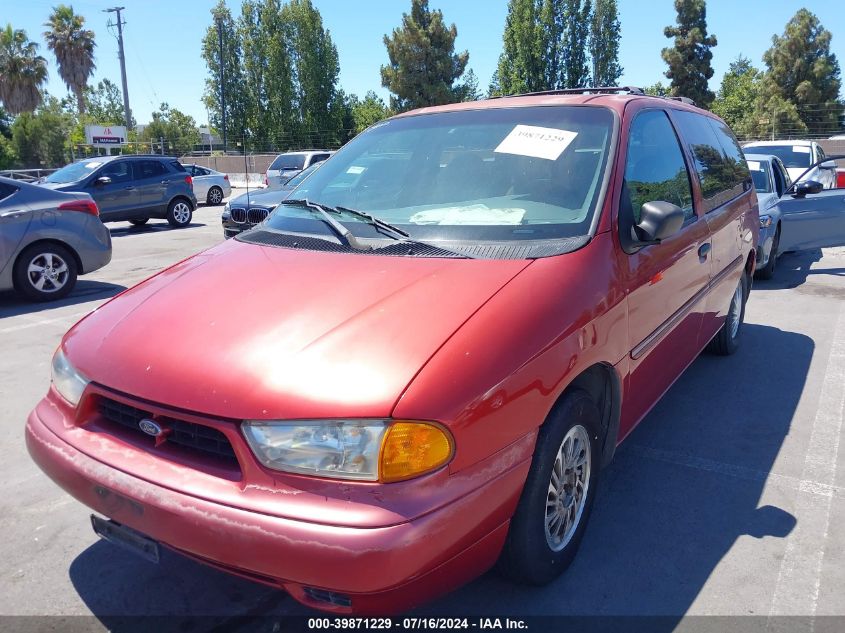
{"type": "Point", "coordinates": [726, 341]}
{"type": "Point", "coordinates": [552, 513]}
{"type": "Point", "coordinates": [179, 213]}
{"type": "Point", "coordinates": [44, 272]}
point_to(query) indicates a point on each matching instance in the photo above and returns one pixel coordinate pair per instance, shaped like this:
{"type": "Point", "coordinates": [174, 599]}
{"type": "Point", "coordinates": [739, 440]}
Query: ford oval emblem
{"type": "Point", "coordinates": [150, 427]}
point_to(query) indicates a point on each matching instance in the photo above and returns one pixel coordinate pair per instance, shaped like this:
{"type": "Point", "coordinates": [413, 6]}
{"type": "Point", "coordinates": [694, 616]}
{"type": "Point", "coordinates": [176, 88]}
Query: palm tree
{"type": "Point", "coordinates": [22, 71]}
{"type": "Point", "coordinates": [73, 46]}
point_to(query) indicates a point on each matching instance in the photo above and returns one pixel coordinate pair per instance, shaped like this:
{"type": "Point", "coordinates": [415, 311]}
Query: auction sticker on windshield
{"type": "Point", "coordinates": [535, 141]}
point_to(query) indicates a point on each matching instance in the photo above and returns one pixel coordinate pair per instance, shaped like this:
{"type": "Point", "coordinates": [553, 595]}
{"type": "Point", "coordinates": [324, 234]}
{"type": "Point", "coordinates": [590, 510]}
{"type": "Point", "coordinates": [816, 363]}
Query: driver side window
{"type": "Point", "coordinates": [118, 171]}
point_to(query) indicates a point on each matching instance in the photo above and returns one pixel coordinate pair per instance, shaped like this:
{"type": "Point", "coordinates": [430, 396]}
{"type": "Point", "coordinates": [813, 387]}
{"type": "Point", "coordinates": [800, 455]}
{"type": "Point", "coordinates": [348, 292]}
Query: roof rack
{"type": "Point", "coordinates": [632, 90]}
{"type": "Point", "coordinates": [686, 100]}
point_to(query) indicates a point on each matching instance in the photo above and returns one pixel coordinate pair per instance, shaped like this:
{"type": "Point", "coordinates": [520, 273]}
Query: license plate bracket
{"type": "Point", "coordinates": [126, 538]}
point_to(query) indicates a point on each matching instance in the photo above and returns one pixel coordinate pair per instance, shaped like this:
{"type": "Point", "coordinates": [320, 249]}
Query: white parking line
{"type": "Point", "coordinates": [799, 577]}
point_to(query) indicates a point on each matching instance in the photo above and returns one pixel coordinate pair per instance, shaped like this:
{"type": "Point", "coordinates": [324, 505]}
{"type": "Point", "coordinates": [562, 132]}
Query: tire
{"type": "Point", "coordinates": [535, 553]}
{"type": "Point", "coordinates": [727, 340]}
{"type": "Point", "coordinates": [45, 272]}
{"type": "Point", "coordinates": [215, 196]}
{"type": "Point", "coordinates": [179, 213]}
{"type": "Point", "coordinates": [768, 271]}
{"type": "Point", "coordinates": [138, 221]}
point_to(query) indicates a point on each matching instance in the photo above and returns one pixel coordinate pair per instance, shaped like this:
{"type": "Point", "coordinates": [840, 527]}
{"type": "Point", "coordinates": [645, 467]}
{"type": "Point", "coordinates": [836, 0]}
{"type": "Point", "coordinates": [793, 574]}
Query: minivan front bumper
{"type": "Point", "coordinates": [345, 569]}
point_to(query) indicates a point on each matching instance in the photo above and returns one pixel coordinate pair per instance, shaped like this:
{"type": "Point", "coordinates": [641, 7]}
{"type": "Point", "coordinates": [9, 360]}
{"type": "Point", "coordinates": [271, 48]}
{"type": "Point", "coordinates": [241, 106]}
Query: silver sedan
{"type": "Point", "coordinates": [47, 238]}
{"type": "Point", "coordinates": [210, 186]}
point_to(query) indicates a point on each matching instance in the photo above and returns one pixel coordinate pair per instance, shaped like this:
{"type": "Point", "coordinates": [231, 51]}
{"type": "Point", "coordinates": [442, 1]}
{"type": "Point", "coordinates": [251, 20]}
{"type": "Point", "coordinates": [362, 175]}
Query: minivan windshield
{"type": "Point", "coordinates": [74, 171]}
{"type": "Point", "coordinates": [791, 155]}
{"type": "Point", "coordinates": [288, 161]}
{"type": "Point", "coordinates": [513, 173]}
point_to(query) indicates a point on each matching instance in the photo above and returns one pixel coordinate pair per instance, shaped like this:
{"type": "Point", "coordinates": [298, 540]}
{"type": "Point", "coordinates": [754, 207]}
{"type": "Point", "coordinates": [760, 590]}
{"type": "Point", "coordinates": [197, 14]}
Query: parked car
{"type": "Point", "coordinates": [422, 361]}
{"type": "Point", "coordinates": [47, 239]}
{"type": "Point", "coordinates": [797, 156]}
{"type": "Point", "coordinates": [771, 181]}
{"type": "Point", "coordinates": [134, 188]}
{"type": "Point", "coordinates": [252, 208]}
{"type": "Point", "coordinates": [209, 185]}
{"type": "Point", "coordinates": [286, 166]}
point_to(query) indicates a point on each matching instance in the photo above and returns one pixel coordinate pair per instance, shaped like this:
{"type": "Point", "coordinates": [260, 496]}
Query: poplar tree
{"type": "Point", "coordinates": [605, 33]}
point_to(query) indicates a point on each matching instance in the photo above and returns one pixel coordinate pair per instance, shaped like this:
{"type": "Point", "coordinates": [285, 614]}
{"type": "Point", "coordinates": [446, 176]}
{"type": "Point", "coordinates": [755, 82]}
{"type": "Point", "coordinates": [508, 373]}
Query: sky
{"type": "Point", "coordinates": [163, 40]}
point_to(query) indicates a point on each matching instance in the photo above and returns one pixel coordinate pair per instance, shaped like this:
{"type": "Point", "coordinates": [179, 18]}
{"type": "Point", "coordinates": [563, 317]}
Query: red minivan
{"type": "Point", "coordinates": [419, 364]}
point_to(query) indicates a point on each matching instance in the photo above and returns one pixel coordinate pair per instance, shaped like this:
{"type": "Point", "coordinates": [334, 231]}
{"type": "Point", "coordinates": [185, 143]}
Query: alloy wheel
{"type": "Point", "coordinates": [47, 272]}
{"type": "Point", "coordinates": [568, 487]}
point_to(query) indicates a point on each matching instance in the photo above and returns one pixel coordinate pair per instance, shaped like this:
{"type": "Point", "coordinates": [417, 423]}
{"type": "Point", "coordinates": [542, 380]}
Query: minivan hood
{"type": "Point", "coordinates": [246, 331]}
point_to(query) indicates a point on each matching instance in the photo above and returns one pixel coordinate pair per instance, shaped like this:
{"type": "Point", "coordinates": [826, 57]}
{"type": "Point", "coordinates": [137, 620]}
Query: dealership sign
{"type": "Point", "coordinates": [105, 135]}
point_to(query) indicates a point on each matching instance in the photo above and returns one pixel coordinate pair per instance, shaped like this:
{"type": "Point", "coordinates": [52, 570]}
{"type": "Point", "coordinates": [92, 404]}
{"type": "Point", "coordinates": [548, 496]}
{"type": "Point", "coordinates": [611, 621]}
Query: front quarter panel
{"type": "Point", "coordinates": [496, 379]}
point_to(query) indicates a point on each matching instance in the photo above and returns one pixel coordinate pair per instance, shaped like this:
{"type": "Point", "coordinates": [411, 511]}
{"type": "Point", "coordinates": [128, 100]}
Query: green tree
{"type": "Point", "coordinates": [468, 89]}
{"type": "Point", "coordinates": [22, 71]}
{"type": "Point", "coordinates": [73, 45]}
{"type": "Point", "coordinates": [178, 130]}
{"type": "Point", "coordinates": [802, 70]}
{"type": "Point", "coordinates": [525, 61]}
{"type": "Point", "coordinates": [316, 68]}
{"type": "Point", "coordinates": [689, 59]}
{"type": "Point", "coordinates": [605, 33]}
{"type": "Point", "coordinates": [40, 138]}
{"type": "Point", "coordinates": [104, 104]}
{"type": "Point", "coordinates": [232, 76]}
{"type": "Point", "coordinates": [423, 64]}
{"type": "Point", "coordinates": [576, 72]}
{"type": "Point", "coordinates": [738, 95]}
{"type": "Point", "coordinates": [657, 90]}
{"type": "Point", "coordinates": [368, 111]}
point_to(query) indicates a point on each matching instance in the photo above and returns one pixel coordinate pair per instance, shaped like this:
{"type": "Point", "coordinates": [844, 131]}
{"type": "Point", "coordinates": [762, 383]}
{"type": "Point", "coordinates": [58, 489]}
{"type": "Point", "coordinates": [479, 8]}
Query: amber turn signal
{"type": "Point", "coordinates": [410, 449]}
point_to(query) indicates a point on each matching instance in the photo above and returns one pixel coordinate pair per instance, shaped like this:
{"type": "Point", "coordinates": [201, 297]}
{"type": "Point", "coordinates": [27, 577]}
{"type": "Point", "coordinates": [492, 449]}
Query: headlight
{"type": "Point", "coordinates": [765, 221]}
{"type": "Point", "coordinates": [367, 450]}
{"type": "Point", "coordinates": [68, 382]}
{"type": "Point", "coordinates": [227, 211]}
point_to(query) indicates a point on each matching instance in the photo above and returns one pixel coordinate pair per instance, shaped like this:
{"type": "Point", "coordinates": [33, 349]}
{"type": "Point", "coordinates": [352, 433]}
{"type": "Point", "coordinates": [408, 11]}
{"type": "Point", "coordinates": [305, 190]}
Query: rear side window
{"type": "Point", "coordinates": [6, 190]}
{"type": "Point", "coordinates": [288, 161]}
{"type": "Point", "coordinates": [720, 177]}
{"type": "Point", "coordinates": [149, 169]}
{"type": "Point", "coordinates": [318, 158]}
{"type": "Point", "coordinates": [733, 155]}
{"type": "Point", "coordinates": [175, 164]}
{"type": "Point", "coordinates": [655, 167]}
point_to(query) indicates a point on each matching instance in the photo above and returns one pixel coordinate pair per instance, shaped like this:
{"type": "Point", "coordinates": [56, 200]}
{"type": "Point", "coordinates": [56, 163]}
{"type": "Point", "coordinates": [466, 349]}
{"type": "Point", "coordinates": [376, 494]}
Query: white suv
{"type": "Point", "coordinates": [797, 156]}
{"type": "Point", "coordinates": [286, 166]}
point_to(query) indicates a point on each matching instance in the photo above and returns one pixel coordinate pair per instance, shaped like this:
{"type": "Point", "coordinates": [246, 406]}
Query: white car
{"type": "Point", "coordinates": [209, 185]}
{"type": "Point", "coordinates": [797, 156]}
{"type": "Point", "coordinates": [286, 166]}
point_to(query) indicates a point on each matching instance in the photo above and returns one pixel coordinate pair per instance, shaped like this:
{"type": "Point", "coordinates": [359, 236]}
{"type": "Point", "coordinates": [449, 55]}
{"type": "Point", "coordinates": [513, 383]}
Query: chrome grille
{"type": "Point", "coordinates": [256, 215]}
{"type": "Point", "coordinates": [238, 215]}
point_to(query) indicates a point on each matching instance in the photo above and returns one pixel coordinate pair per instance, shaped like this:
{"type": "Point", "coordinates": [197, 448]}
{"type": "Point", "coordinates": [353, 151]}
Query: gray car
{"type": "Point", "coordinates": [47, 238]}
{"type": "Point", "coordinates": [210, 186]}
{"type": "Point", "coordinates": [133, 188]}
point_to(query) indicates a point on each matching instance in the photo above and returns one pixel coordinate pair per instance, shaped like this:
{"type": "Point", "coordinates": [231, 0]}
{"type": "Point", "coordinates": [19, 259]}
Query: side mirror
{"type": "Point", "coordinates": [828, 164]}
{"type": "Point", "coordinates": [806, 187]}
{"type": "Point", "coordinates": [659, 220]}
{"type": "Point", "coordinates": [102, 180]}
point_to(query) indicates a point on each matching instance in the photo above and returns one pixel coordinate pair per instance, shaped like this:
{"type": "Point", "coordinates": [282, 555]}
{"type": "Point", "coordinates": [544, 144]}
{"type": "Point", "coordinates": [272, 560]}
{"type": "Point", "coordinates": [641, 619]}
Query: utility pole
{"type": "Point", "coordinates": [127, 114]}
{"type": "Point", "coordinates": [222, 86]}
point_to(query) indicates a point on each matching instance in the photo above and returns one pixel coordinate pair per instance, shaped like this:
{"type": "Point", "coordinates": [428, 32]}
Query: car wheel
{"type": "Point", "coordinates": [215, 195]}
{"type": "Point", "coordinates": [139, 221]}
{"type": "Point", "coordinates": [552, 513]}
{"type": "Point", "coordinates": [726, 341]}
{"type": "Point", "coordinates": [768, 271]}
{"type": "Point", "coordinates": [179, 213]}
{"type": "Point", "coordinates": [44, 272]}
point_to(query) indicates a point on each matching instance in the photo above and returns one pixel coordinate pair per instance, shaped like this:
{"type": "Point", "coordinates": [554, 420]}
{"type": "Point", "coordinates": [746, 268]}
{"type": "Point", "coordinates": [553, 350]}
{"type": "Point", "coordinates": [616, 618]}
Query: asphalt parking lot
{"type": "Point", "coordinates": [729, 499]}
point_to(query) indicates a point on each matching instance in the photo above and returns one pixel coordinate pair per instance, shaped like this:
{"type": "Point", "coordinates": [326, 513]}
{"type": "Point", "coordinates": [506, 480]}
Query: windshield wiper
{"type": "Point", "coordinates": [378, 222]}
{"type": "Point", "coordinates": [341, 231]}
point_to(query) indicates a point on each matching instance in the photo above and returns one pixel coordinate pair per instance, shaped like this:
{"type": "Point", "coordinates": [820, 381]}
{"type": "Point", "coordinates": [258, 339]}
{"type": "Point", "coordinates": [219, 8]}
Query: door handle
{"type": "Point", "coordinates": [12, 214]}
{"type": "Point", "coordinates": [130, 188]}
{"type": "Point", "coordinates": [164, 182]}
{"type": "Point", "coordinates": [703, 250]}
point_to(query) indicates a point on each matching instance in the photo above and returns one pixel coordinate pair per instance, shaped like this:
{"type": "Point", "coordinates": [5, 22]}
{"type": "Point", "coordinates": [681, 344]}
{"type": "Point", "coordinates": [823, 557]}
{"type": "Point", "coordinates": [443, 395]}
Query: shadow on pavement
{"type": "Point", "coordinates": [683, 487]}
{"type": "Point", "coordinates": [13, 304]}
{"type": "Point", "coordinates": [123, 230]}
